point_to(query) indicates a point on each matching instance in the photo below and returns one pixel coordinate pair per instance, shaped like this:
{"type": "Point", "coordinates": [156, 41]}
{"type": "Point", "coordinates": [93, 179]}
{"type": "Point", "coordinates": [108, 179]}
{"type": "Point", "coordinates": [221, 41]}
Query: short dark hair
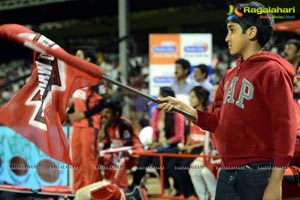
{"type": "Point", "coordinates": [185, 64]}
{"type": "Point", "coordinates": [115, 106]}
{"type": "Point", "coordinates": [144, 122]}
{"type": "Point", "coordinates": [203, 68]}
{"type": "Point", "coordinates": [165, 91]}
{"type": "Point", "coordinates": [295, 42]}
{"type": "Point", "coordinates": [263, 22]}
{"type": "Point", "coordinates": [89, 52]}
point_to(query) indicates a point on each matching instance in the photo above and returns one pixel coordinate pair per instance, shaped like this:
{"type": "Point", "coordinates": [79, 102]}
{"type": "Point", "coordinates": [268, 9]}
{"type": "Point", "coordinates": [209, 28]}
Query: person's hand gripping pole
{"type": "Point", "coordinates": [167, 103]}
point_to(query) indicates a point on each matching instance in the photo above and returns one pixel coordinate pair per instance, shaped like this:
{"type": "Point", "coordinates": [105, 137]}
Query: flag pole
{"type": "Point", "coordinates": [186, 114]}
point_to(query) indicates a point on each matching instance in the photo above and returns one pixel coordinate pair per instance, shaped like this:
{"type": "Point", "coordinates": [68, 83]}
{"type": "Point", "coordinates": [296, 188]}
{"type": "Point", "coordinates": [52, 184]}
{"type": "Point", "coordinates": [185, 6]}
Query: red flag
{"type": "Point", "coordinates": [38, 110]}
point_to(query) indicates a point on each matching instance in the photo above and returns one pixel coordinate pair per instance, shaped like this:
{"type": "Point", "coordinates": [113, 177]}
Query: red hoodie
{"type": "Point", "coordinates": [254, 119]}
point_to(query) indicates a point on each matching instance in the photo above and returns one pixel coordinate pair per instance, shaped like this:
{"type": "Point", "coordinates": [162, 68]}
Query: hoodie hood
{"type": "Point", "coordinates": [266, 56]}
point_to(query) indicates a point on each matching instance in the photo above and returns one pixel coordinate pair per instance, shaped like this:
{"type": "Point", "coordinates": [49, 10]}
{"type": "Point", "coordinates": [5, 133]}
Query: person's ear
{"type": "Point", "coordinates": [186, 72]}
{"type": "Point", "coordinates": [252, 32]}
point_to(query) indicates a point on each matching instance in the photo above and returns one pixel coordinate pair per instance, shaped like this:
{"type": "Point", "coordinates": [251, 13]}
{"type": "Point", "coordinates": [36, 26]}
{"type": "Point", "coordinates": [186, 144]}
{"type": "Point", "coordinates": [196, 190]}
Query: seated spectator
{"type": "Point", "coordinates": [179, 167]}
{"type": "Point", "coordinates": [203, 170]}
{"type": "Point", "coordinates": [145, 133]}
{"type": "Point", "coordinates": [168, 131]}
{"type": "Point", "coordinates": [118, 132]}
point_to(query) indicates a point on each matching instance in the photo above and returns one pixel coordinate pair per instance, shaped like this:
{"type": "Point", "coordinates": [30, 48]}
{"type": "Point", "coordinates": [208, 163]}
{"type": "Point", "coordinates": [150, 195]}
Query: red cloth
{"type": "Point", "coordinates": [120, 134]}
{"type": "Point", "coordinates": [250, 123]}
{"type": "Point", "coordinates": [115, 170]}
{"type": "Point", "coordinates": [84, 157]}
{"type": "Point", "coordinates": [38, 109]}
{"type": "Point", "coordinates": [123, 134]}
{"type": "Point", "coordinates": [292, 174]}
{"type": "Point", "coordinates": [15, 187]}
{"type": "Point", "coordinates": [57, 189]}
{"type": "Point", "coordinates": [197, 135]}
{"type": "Point", "coordinates": [85, 139]}
{"type": "Point", "coordinates": [85, 99]}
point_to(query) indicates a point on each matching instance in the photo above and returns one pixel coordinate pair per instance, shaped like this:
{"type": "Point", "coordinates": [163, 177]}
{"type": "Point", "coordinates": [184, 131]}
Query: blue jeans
{"type": "Point", "coordinates": [244, 183]}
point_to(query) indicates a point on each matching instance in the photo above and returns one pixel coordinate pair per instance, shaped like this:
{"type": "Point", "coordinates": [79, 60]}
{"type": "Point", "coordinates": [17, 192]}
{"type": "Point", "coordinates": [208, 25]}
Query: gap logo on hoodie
{"type": "Point", "coordinates": [246, 92]}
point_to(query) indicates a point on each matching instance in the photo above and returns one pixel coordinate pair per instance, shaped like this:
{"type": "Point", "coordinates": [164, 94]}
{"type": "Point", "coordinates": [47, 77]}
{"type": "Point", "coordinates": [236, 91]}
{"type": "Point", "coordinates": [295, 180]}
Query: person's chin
{"type": "Point", "coordinates": [232, 52]}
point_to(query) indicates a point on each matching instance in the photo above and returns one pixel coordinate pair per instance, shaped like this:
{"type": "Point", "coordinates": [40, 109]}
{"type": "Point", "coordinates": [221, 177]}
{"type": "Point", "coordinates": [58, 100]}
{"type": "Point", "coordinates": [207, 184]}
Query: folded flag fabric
{"type": "Point", "coordinates": [38, 110]}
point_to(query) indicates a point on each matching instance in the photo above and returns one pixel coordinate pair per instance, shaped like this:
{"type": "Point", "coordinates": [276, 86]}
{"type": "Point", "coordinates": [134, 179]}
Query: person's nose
{"type": "Point", "coordinates": [227, 38]}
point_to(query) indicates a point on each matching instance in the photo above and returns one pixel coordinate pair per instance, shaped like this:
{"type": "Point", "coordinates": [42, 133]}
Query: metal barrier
{"type": "Point", "coordinates": [161, 164]}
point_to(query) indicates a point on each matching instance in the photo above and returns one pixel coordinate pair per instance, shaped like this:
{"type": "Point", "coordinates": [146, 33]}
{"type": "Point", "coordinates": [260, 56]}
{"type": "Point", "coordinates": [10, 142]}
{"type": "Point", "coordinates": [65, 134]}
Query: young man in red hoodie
{"type": "Point", "coordinates": [254, 118]}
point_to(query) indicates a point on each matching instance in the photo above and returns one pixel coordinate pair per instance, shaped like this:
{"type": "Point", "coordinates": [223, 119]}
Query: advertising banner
{"type": "Point", "coordinates": [164, 49]}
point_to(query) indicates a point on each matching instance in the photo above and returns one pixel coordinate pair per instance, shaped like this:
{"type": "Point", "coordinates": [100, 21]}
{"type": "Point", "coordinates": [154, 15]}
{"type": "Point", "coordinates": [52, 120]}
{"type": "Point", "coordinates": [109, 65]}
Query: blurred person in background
{"type": "Point", "coordinates": [179, 167]}
{"type": "Point", "coordinates": [145, 132]}
{"type": "Point", "coordinates": [202, 79]}
{"type": "Point", "coordinates": [292, 52]}
{"type": "Point", "coordinates": [183, 84]}
{"type": "Point", "coordinates": [84, 114]}
{"type": "Point", "coordinates": [203, 170]}
{"type": "Point", "coordinates": [292, 174]}
{"type": "Point", "coordinates": [118, 132]}
{"type": "Point", "coordinates": [168, 131]}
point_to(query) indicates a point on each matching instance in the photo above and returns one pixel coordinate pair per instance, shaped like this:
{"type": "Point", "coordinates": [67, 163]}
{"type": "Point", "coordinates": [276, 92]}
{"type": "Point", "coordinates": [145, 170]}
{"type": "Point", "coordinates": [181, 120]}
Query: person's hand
{"type": "Point", "coordinates": [188, 149]}
{"type": "Point", "coordinates": [185, 148]}
{"type": "Point", "coordinates": [154, 145]}
{"type": "Point", "coordinates": [273, 191]}
{"type": "Point", "coordinates": [180, 146]}
{"type": "Point", "coordinates": [76, 116]}
{"type": "Point", "coordinates": [167, 103]}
